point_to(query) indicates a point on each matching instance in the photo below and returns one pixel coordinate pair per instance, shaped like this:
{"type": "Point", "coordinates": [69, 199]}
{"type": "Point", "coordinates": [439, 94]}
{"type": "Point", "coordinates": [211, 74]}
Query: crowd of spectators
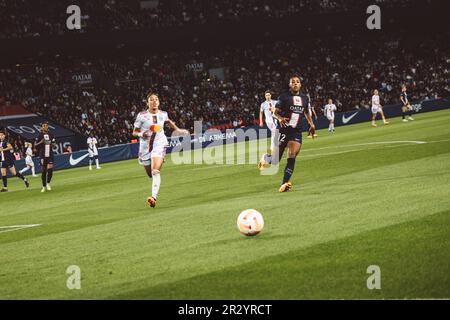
{"type": "Point", "coordinates": [346, 69]}
{"type": "Point", "coordinates": [24, 18]}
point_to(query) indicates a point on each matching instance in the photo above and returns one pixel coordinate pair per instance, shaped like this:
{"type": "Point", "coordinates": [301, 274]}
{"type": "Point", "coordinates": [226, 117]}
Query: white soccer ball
{"type": "Point", "coordinates": [250, 222]}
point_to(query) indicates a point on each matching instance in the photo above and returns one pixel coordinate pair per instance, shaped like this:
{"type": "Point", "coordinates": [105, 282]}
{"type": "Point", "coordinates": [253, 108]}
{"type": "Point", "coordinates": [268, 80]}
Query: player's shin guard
{"type": "Point", "coordinates": [5, 181]}
{"type": "Point", "coordinates": [44, 176]}
{"type": "Point", "coordinates": [156, 183]}
{"type": "Point", "coordinates": [289, 169]}
{"type": "Point", "coordinates": [49, 175]}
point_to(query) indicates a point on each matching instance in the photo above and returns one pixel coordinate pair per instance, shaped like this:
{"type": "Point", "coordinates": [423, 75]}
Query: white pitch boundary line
{"type": "Point", "coordinates": [18, 227]}
{"type": "Point", "coordinates": [366, 144]}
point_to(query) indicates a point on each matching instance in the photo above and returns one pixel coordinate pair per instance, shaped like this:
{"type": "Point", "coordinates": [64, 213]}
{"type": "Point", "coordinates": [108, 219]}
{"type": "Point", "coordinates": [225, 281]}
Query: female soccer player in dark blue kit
{"type": "Point", "coordinates": [289, 110]}
{"type": "Point", "coordinates": [44, 143]}
{"type": "Point", "coordinates": [7, 162]}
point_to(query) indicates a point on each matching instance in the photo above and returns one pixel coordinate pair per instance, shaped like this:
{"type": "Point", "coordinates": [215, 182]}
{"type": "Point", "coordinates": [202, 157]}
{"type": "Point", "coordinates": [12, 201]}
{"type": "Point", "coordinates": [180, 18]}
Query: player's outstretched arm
{"type": "Point", "coordinates": [312, 127]}
{"type": "Point", "coordinates": [175, 128]}
{"type": "Point", "coordinates": [314, 112]}
{"type": "Point", "coordinates": [8, 147]}
{"type": "Point", "coordinates": [283, 121]}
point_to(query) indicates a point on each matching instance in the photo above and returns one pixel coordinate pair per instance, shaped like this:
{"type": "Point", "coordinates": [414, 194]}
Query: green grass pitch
{"type": "Point", "coordinates": [362, 196]}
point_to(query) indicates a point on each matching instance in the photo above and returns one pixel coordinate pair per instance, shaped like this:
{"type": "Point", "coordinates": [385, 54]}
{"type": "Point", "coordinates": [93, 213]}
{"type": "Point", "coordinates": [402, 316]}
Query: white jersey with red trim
{"type": "Point", "coordinates": [329, 110]}
{"type": "Point", "coordinates": [155, 144]}
{"type": "Point", "coordinates": [268, 107]}
{"type": "Point", "coordinates": [376, 101]}
{"type": "Point", "coordinates": [376, 107]}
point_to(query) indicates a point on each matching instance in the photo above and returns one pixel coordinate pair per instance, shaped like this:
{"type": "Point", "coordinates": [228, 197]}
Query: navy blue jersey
{"type": "Point", "coordinates": [46, 147]}
{"type": "Point", "coordinates": [404, 95]}
{"type": "Point", "coordinates": [293, 107]}
{"type": "Point", "coordinates": [6, 155]}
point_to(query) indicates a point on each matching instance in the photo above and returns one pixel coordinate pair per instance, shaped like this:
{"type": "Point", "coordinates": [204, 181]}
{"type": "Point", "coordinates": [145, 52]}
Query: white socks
{"type": "Point", "coordinates": [24, 170]}
{"type": "Point", "coordinates": [156, 177]}
{"type": "Point", "coordinates": [96, 162]}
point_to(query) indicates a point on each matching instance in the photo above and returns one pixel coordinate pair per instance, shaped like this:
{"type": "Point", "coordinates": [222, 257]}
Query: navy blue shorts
{"type": "Point", "coordinates": [8, 163]}
{"type": "Point", "coordinates": [47, 160]}
{"type": "Point", "coordinates": [289, 134]}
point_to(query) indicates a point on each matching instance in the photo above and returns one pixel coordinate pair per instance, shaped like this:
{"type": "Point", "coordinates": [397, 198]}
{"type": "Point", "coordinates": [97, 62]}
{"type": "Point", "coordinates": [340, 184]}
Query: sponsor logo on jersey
{"type": "Point", "coordinates": [298, 101]}
{"type": "Point", "coordinates": [297, 109]}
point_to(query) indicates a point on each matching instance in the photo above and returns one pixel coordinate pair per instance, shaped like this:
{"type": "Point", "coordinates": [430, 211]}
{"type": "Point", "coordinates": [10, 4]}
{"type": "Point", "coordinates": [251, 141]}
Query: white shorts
{"type": "Point", "coordinates": [29, 161]}
{"type": "Point", "coordinates": [158, 151]}
{"type": "Point", "coordinates": [376, 109]}
{"type": "Point", "coordinates": [271, 126]}
{"type": "Point", "coordinates": [92, 153]}
{"type": "Point", "coordinates": [330, 118]}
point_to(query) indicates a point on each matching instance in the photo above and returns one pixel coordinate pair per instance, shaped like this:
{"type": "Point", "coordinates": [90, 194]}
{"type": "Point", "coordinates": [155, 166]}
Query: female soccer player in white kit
{"type": "Point", "coordinates": [377, 108]}
{"type": "Point", "coordinates": [329, 110]}
{"type": "Point", "coordinates": [149, 127]}
{"type": "Point", "coordinates": [266, 110]}
{"type": "Point", "coordinates": [29, 164]}
{"type": "Point", "coordinates": [93, 151]}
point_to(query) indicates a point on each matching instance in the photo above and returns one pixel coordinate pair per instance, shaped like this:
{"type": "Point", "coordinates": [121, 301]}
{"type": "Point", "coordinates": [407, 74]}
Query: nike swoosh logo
{"type": "Point", "coordinates": [346, 120]}
{"type": "Point", "coordinates": [74, 162]}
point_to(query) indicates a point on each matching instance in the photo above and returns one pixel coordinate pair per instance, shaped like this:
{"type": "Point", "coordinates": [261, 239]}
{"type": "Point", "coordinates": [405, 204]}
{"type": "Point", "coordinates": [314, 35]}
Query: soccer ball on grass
{"type": "Point", "coordinates": [250, 222]}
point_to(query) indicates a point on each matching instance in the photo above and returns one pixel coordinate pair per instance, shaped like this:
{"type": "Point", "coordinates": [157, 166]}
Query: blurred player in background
{"type": "Point", "coordinates": [377, 108]}
{"type": "Point", "coordinates": [266, 111]}
{"type": "Point", "coordinates": [312, 112]}
{"type": "Point", "coordinates": [7, 162]}
{"type": "Point", "coordinates": [406, 106]}
{"type": "Point", "coordinates": [328, 111]}
{"type": "Point", "coordinates": [149, 127]}
{"type": "Point", "coordinates": [44, 144]}
{"type": "Point", "coordinates": [29, 164]}
{"type": "Point", "coordinates": [93, 151]}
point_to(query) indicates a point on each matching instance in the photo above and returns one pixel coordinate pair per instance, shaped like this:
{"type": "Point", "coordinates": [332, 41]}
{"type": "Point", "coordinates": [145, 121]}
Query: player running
{"type": "Point", "coordinates": [266, 110]}
{"type": "Point", "coordinates": [329, 110]}
{"type": "Point", "coordinates": [29, 164]}
{"type": "Point", "coordinates": [406, 106]}
{"type": "Point", "coordinates": [7, 162]}
{"type": "Point", "coordinates": [377, 108]}
{"type": "Point", "coordinates": [93, 151]}
{"type": "Point", "coordinates": [149, 127]}
{"type": "Point", "coordinates": [290, 109]}
{"type": "Point", "coordinates": [44, 144]}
